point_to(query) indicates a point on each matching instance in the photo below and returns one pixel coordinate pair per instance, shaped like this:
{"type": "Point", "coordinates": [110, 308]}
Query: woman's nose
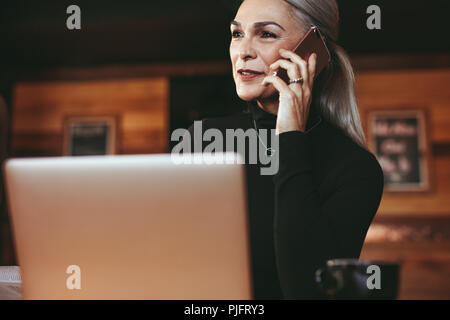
{"type": "Point", "coordinates": [246, 50]}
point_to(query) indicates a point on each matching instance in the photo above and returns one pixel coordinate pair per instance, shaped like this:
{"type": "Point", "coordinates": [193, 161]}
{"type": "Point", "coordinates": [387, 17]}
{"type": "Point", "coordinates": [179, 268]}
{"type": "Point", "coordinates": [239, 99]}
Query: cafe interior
{"type": "Point", "coordinates": [145, 68]}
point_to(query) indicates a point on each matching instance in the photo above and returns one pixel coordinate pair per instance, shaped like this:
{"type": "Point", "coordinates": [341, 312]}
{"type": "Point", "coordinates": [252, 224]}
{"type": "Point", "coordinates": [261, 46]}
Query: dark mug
{"type": "Point", "coordinates": [354, 279]}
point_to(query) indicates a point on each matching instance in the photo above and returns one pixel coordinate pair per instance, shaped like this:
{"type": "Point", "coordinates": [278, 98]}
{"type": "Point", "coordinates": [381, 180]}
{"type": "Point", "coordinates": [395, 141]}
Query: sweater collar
{"type": "Point", "coordinates": [262, 118]}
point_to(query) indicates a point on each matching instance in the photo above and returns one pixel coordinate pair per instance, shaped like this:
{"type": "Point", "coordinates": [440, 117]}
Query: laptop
{"type": "Point", "coordinates": [129, 227]}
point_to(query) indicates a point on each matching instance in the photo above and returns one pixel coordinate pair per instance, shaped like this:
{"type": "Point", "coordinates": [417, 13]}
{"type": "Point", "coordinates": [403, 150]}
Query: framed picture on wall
{"type": "Point", "coordinates": [399, 139]}
{"type": "Point", "coordinates": [90, 135]}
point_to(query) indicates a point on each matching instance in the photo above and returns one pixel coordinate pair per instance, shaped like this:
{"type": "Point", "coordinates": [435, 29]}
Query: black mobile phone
{"type": "Point", "coordinates": [312, 42]}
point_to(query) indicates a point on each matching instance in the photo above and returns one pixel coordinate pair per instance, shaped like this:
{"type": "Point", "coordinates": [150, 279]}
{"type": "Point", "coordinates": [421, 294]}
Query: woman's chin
{"type": "Point", "coordinates": [249, 94]}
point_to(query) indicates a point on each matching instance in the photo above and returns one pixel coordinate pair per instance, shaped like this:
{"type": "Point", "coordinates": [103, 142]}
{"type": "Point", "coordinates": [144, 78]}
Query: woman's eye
{"type": "Point", "coordinates": [236, 34]}
{"type": "Point", "coordinates": [267, 34]}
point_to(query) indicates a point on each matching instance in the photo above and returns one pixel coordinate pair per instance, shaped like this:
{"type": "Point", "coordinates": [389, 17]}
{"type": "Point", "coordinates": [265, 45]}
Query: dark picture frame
{"type": "Point", "coordinates": [399, 138]}
{"type": "Point", "coordinates": [90, 135]}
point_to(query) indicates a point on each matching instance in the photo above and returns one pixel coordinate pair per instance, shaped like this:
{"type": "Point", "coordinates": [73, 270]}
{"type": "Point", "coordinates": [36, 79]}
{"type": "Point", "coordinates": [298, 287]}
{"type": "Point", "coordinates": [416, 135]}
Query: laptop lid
{"type": "Point", "coordinates": [129, 227]}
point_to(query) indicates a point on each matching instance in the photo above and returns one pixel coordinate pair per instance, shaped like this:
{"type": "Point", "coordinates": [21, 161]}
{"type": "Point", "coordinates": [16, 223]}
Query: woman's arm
{"type": "Point", "coordinates": [308, 232]}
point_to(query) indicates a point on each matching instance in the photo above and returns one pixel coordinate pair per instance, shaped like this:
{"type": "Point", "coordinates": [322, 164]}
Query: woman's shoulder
{"type": "Point", "coordinates": [344, 155]}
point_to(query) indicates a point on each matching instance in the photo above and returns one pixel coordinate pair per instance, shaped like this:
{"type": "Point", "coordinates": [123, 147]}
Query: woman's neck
{"type": "Point", "coordinates": [269, 105]}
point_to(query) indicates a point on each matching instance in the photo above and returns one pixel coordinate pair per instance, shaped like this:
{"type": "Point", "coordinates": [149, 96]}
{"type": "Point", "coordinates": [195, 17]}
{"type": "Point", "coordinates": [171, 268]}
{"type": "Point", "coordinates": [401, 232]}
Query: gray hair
{"type": "Point", "coordinates": [333, 90]}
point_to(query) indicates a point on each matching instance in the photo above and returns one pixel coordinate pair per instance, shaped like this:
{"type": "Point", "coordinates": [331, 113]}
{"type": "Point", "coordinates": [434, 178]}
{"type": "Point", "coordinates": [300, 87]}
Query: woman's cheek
{"type": "Point", "coordinates": [271, 56]}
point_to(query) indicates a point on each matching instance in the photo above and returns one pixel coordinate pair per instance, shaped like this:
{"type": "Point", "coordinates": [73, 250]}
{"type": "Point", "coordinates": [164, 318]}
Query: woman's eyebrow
{"type": "Point", "coordinates": [257, 24]}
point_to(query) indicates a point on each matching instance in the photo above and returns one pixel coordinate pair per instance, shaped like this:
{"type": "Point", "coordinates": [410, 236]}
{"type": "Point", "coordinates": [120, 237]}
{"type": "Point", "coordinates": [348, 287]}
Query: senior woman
{"type": "Point", "coordinates": [328, 187]}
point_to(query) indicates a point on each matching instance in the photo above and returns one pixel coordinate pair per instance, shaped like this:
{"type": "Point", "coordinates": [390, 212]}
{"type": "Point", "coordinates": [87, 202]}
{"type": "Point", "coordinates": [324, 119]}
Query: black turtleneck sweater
{"type": "Point", "coordinates": [318, 206]}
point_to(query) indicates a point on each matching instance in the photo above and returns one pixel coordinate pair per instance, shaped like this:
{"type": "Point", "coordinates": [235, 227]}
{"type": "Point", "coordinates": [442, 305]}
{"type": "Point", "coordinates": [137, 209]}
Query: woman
{"type": "Point", "coordinates": [320, 203]}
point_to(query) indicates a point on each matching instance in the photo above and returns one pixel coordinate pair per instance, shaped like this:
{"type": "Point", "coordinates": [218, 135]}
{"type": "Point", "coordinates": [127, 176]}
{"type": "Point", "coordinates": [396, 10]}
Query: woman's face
{"type": "Point", "coordinates": [259, 30]}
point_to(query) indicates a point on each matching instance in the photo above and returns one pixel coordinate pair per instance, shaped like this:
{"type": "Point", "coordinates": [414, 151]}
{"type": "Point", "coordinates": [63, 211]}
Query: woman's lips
{"type": "Point", "coordinates": [246, 74]}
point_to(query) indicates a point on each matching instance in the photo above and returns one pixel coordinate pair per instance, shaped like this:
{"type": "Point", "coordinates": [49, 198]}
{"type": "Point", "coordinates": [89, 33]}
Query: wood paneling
{"type": "Point", "coordinates": [399, 61]}
{"type": "Point", "coordinates": [419, 88]}
{"type": "Point", "coordinates": [436, 202]}
{"type": "Point", "coordinates": [141, 105]}
{"type": "Point", "coordinates": [127, 71]}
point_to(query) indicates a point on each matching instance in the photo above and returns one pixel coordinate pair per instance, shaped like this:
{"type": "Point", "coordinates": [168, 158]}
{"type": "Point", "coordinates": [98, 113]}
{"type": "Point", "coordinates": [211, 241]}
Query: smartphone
{"type": "Point", "coordinates": [312, 42]}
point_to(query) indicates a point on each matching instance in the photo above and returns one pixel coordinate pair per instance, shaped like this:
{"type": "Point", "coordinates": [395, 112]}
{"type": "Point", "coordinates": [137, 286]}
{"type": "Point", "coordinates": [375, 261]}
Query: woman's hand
{"type": "Point", "coordinates": [295, 98]}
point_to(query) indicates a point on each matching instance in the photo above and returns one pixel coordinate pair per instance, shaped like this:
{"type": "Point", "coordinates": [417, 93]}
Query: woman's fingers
{"type": "Point", "coordinates": [279, 84]}
{"type": "Point", "coordinates": [292, 69]}
{"type": "Point", "coordinates": [293, 73]}
{"type": "Point", "coordinates": [288, 111]}
{"type": "Point", "coordinates": [294, 95]}
{"type": "Point", "coordinates": [296, 59]}
{"type": "Point", "coordinates": [312, 68]}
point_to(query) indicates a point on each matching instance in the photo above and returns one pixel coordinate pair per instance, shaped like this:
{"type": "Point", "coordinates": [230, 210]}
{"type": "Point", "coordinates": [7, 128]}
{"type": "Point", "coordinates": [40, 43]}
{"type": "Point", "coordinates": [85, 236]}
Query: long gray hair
{"type": "Point", "coordinates": [333, 90]}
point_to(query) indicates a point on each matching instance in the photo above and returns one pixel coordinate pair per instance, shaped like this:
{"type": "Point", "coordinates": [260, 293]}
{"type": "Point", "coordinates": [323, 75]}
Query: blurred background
{"type": "Point", "coordinates": [154, 66]}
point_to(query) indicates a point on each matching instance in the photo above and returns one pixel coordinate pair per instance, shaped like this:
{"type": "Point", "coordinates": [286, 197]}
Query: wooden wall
{"type": "Point", "coordinates": [416, 88]}
{"type": "Point", "coordinates": [140, 105]}
{"type": "Point", "coordinates": [419, 240]}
